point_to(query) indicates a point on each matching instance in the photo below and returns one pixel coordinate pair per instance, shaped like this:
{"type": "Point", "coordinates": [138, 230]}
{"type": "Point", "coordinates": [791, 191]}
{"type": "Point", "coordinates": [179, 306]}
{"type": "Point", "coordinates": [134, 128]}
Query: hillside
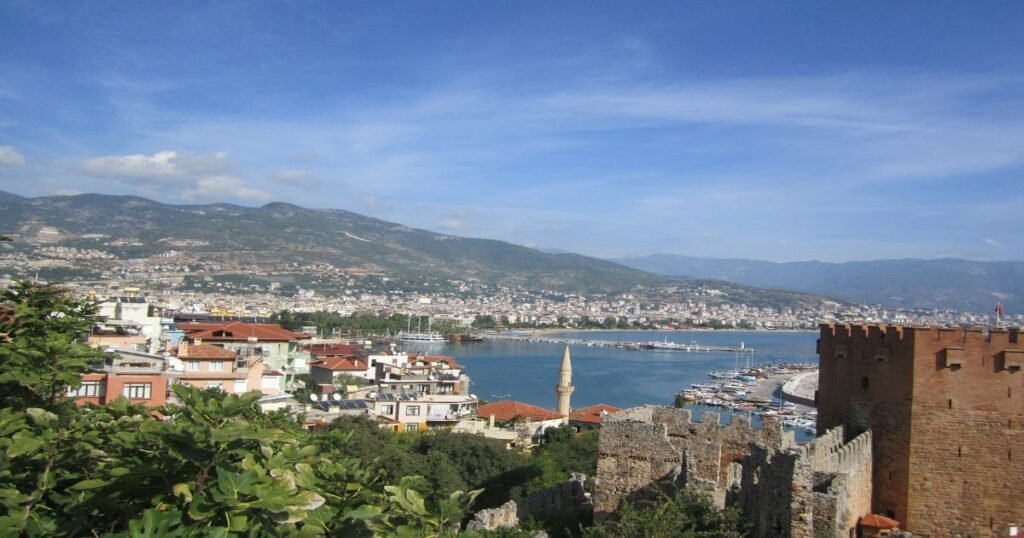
{"type": "Point", "coordinates": [912, 283]}
{"type": "Point", "coordinates": [279, 232]}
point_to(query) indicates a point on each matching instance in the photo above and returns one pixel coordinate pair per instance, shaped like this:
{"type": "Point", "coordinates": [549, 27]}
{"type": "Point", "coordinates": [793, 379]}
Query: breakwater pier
{"type": "Point", "coordinates": [691, 347]}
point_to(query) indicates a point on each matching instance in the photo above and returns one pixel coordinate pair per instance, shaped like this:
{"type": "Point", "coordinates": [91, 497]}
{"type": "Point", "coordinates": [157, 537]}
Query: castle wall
{"type": "Point", "coordinates": [946, 414]}
{"type": "Point", "coordinates": [642, 445]}
{"type": "Point", "coordinates": [784, 490]}
{"type": "Point", "coordinates": [865, 383]}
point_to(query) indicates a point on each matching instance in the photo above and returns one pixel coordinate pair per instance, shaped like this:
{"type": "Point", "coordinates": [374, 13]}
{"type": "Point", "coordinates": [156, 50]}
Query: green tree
{"type": "Point", "coordinates": [42, 356]}
{"type": "Point", "coordinates": [484, 322]}
{"type": "Point", "coordinates": [671, 512]}
{"type": "Point", "coordinates": [564, 452]}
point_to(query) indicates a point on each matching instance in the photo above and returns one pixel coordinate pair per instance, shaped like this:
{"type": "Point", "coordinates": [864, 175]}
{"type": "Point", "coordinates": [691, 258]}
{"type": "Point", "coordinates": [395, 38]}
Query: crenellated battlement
{"type": "Point", "coordinates": [995, 336]}
{"type": "Point", "coordinates": [876, 333]}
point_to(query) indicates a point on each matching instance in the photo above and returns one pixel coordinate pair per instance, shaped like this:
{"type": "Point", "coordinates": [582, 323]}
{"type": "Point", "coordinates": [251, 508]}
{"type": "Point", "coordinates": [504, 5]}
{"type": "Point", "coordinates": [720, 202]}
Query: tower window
{"type": "Point", "coordinates": [959, 451]}
{"type": "Point", "coordinates": [864, 383]}
{"type": "Point", "coordinates": [951, 403]}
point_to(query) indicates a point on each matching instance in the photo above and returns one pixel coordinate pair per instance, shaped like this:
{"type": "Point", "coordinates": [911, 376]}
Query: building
{"type": "Point", "coordinates": [532, 420]}
{"type": "Point", "coordinates": [139, 377]}
{"type": "Point", "coordinates": [279, 349]}
{"type": "Point", "coordinates": [946, 410]}
{"type": "Point", "coordinates": [210, 367]}
{"type": "Point", "coordinates": [590, 418]}
{"type": "Point", "coordinates": [410, 412]}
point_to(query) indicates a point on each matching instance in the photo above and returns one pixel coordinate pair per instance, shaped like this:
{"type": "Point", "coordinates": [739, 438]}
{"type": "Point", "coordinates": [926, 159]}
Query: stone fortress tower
{"type": "Point", "coordinates": [564, 388]}
{"type": "Point", "coordinates": [945, 406]}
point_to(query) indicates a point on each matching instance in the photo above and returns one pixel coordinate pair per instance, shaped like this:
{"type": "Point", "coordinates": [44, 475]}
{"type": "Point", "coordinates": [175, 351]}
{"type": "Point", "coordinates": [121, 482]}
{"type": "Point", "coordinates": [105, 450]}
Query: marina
{"type": "Point", "coordinates": [757, 392]}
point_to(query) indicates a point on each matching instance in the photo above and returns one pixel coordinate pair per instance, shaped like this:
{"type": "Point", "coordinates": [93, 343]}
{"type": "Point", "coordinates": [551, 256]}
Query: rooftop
{"type": "Point", "coordinates": [509, 410]}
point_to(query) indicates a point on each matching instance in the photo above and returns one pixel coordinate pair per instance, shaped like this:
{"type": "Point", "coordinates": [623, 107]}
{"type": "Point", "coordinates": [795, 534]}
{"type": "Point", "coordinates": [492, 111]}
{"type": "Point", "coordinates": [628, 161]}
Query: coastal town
{"type": "Point", "coordinates": [176, 280]}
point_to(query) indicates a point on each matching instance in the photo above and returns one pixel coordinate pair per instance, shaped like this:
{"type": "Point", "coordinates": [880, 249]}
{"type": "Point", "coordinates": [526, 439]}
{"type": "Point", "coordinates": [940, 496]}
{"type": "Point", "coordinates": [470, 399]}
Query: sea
{"type": "Point", "coordinates": [528, 371]}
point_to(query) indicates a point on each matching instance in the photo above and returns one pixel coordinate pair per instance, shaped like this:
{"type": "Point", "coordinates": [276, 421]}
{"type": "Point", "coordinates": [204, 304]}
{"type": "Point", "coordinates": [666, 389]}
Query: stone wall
{"type": "Point", "coordinates": [566, 501]}
{"type": "Point", "coordinates": [642, 445]}
{"type": "Point", "coordinates": [784, 490]}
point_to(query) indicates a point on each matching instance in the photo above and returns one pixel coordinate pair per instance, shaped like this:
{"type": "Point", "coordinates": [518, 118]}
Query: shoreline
{"type": "Point", "coordinates": [551, 331]}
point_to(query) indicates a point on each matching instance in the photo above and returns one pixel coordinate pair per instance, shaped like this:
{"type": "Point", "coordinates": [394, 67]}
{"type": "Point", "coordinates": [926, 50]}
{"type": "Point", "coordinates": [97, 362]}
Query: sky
{"type": "Point", "coordinates": [782, 131]}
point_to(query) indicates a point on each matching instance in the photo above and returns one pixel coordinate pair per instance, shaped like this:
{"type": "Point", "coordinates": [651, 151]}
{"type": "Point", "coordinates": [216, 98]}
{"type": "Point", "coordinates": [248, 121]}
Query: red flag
{"type": "Point", "coordinates": [999, 310]}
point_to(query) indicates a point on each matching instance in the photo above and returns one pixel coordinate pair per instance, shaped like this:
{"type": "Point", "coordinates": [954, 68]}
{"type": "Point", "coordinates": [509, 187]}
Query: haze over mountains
{"type": "Point", "coordinates": [913, 283]}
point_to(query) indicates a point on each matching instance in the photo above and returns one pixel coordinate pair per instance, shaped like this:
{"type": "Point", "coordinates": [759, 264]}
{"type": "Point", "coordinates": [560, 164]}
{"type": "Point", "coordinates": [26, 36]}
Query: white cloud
{"type": "Point", "coordinates": [160, 165]}
{"type": "Point", "coordinates": [993, 242]}
{"type": "Point", "coordinates": [192, 177]}
{"type": "Point", "coordinates": [216, 188]}
{"type": "Point", "coordinates": [10, 157]}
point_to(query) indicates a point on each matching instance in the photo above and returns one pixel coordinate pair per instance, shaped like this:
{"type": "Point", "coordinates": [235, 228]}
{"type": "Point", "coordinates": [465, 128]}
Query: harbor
{"type": "Point", "coordinates": [782, 391]}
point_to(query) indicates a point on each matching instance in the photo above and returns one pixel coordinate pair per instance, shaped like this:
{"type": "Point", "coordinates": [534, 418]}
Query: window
{"type": "Point", "coordinates": [89, 389]}
{"type": "Point", "coordinates": [387, 409]}
{"type": "Point", "coordinates": [216, 366]}
{"type": "Point", "coordinates": [412, 411]}
{"type": "Point", "coordinates": [241, 386]}
{"type": "Point", "coordinates": [412, 427]}
{"type": "Point", "coordinates": [192, 366]}
{"type": "Point", "coordinates": [137, 391]}
{"type": "Point", "coordinates": [215, 385]}
{"type": "Point", "coordinates": [865, 383]}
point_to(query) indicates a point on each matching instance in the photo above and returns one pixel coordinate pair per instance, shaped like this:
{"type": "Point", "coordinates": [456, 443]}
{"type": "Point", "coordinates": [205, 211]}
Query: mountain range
{"type": "Point", "coordinates": [281, 234]}
{"type": "Point", "coordinates": [951, 283]}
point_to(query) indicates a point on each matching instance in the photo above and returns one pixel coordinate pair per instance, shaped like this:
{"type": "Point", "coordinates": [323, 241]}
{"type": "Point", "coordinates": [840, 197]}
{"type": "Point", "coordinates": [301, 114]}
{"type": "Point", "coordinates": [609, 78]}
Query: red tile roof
{"type": "Point", "coordinates": [593, 414]}
{"type": "Point", "coordinates": [875, 521]}
{"type": "Point", "coordinates": [507, 410]}
{"type": "Point", "coordinates": [205, 351]}
{"type": "Point", "coordinates": [321, 350]}
{"type": "Point", "coordinates": [340, 364]}
{"type": "Point", "coordinates": [235, 331]}
{"type": "Point", "coordinates": [433, 359]}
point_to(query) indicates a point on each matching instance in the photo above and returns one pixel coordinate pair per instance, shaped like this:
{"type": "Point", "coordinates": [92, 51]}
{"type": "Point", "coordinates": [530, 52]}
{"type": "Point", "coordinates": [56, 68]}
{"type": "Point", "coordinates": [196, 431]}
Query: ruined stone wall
{"type": "Point", "coordinates": [567, 501]}
{"type": "Point", "coordinates": [784, 490]}
{"type": "Point", "coordinates": [946, 407]}
{"type": "Point", "coordinates": [642, 445]}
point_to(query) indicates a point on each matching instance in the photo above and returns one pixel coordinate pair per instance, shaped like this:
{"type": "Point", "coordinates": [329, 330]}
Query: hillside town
{"type": "Point", "coordinates": [317, 379]}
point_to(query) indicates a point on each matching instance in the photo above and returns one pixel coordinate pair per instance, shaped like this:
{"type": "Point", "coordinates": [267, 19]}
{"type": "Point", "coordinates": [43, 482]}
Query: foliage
{"type": "Point", "coordinates": [41, 358]}
{"type": "Point", "coordinates": [671, 512]}
{"type": "Point", "coordinates": [411, 517]}
{"type": "Point", "coordinates": [564, 452]}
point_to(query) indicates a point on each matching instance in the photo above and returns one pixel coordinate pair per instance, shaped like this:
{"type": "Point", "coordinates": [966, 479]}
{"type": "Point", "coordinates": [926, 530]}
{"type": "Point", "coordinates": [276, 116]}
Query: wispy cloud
{"type": "Point", "coordinates": [10, 157]}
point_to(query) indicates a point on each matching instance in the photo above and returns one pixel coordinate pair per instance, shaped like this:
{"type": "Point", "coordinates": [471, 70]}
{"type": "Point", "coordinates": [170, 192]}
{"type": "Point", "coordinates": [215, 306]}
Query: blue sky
{"type": "Point", "coordinates": [774, 130]}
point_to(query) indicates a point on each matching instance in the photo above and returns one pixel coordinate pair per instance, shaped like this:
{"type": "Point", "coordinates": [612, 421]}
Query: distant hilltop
{"type": "Point", "coordinates": [279, 235]}
{"type": "Point", "coordinates": [949, 283]}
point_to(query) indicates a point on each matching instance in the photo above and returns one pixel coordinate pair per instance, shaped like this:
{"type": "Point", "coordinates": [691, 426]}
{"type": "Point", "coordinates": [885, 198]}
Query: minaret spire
{"type": "Point", "coordinates": [564, 388]}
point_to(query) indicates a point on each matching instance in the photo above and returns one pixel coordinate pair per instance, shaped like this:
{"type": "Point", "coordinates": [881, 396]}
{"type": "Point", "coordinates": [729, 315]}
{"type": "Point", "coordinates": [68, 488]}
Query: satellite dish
{"type": "Point", "coordinates": [336, 397]}
{"type": "Point", "coordinates": [312, 397]}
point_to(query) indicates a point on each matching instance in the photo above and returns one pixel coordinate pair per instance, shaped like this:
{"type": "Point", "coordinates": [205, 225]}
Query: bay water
{"type": "Point", "coordinates": [528, 371]}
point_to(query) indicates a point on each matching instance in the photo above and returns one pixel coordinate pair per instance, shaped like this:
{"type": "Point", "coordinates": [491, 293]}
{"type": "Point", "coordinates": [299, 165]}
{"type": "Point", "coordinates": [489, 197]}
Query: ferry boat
{"type": "Point", "coordinates": [432, 337]}
{"type": "Point", "coordinates": [408, 336]}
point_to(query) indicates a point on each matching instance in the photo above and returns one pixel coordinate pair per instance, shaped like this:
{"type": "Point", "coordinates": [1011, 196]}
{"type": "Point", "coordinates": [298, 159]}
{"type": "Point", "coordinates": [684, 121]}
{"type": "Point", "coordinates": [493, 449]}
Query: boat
{"type": "Point", "coordinates": [430, 337]}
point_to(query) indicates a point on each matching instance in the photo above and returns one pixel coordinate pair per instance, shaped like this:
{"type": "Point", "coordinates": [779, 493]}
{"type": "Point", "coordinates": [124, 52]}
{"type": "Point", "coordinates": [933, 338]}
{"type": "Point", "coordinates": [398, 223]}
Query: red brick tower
{"type": "Point", "coordinates": [946, 410]}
